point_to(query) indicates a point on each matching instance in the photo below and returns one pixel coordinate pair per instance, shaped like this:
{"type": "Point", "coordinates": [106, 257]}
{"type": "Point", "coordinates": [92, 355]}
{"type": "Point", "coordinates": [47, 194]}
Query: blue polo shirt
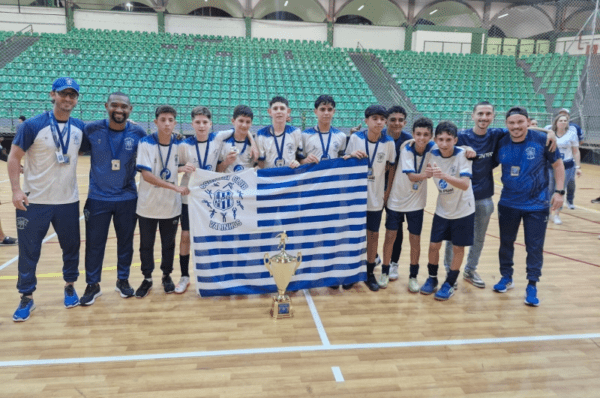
{"type": "Point", "coordinates": [484, 163]}
{"type": "Point", "coordinates": [524, 173]}
{"type": "Point", "coordinates": [105, 183]}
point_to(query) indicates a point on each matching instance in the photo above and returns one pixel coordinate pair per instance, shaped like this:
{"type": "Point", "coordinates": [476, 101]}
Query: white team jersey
{"type": "Point", "coordinates": [312, 144]}
{"type": "Point", "coordinates": [407, 195]}
{"type": "Point", "coordinates": [153, 201]}
{"type": "Point", "coordinates": [289, 143]}
{"type": "Point", "coordinates": [566, 143]}
{"type": "Point", "coordinates": [386, 152]}
{"type": "Point", "coordinates": [244, 154]}
{"type": "Point", "coordinates": [453, 203]}
{"type": "Point", "coordinates": [210, 158]}
{"type": "Point", "coordinates": [45, 180]}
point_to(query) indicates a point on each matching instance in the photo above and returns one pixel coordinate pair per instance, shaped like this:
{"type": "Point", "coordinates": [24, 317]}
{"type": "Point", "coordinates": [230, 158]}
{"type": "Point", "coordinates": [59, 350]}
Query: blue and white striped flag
{"type": "Point", "coordinates": [235, 218]}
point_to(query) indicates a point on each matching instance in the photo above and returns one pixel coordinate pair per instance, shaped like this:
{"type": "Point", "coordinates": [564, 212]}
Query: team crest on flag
{"type": "Point", "coordinates": [223, 198]}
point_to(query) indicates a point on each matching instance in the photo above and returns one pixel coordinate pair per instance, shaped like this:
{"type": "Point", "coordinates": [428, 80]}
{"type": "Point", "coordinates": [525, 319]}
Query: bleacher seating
{"type": "Point", "coordinates": [442, 85]}
{"type": "Point", "coordinates": [560, 74]}
{"type": "Point", "coordinates": [184, 71]}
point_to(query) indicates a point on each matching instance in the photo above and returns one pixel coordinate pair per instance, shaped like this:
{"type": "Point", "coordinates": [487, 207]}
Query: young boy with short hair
{"type": "Point", "coordinates": [408, 198]}
{"type": "Point", "coordinates": [380, 152]}
{"type": "Point", "coordinates": [323, 142]}
{"type": "Point", "coordinates": [201, 151]}
{"type": "Point", "coordinates": [279, 144]}
{"type": "Point", "coordinates": [235, 152]}
{"type": "Point", "coordinates": [455, 210]}
{"type": "Point", "coordinates": [159, 198]}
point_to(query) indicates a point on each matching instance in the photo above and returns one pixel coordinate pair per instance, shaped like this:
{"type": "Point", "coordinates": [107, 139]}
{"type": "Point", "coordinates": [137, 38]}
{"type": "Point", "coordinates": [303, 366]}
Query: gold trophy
{"type": "Point", "coordinates": [282, 267]}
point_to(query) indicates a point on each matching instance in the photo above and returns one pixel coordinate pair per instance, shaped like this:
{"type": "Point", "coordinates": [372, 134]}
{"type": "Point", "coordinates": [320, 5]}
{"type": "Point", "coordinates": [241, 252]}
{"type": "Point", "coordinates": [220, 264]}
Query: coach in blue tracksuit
{"type": "Point", "coordinates": [523, 155]}
{"type": "Point", "coordinates": [49, 195]}
{"type": "Point", "coordinates": [113, 143]}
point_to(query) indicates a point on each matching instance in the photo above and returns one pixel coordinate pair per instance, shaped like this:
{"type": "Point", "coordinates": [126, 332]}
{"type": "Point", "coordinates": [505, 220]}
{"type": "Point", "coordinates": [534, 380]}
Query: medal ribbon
{"type": "Point", "coordinates": [371, 160]}
{"type": "Point", "coordinates": [202, 163]}
{"type": "Point", "coordinates": [164, 164]}
{"type": "Point", "coordinates": [58, 135]}
{"type": "Point", "coordinates": [325, 154]}
{"type": "Point", "coordinates": [232, 141]}
{"type": "Point", "coordinates": [418, 171]}
{"type": "Point", "coordinates": [110, 143]}
{"type": "Point", "coordinates": [279, 151]}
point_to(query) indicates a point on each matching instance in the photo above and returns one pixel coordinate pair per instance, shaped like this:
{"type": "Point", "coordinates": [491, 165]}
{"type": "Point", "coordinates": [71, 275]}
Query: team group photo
{"type": "Point", "coordinates": [362, 214]}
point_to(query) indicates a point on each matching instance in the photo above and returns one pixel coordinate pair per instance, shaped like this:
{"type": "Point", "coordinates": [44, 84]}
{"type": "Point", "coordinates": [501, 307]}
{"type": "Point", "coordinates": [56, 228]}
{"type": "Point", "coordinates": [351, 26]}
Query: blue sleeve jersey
{"type": "Point", "coordinates": [107, 183]}
{"type": "Point", "coordinates": [484, 163]}
{"type": "Point", "coordinates": [578, 129]}
{"type": "Point", "coordinates": [524, 173]}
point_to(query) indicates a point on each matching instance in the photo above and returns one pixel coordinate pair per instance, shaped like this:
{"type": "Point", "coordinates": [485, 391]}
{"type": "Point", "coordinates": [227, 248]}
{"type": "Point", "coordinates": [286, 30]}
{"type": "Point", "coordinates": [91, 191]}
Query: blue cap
{"type": "Point", "coordinates": [63, 83]}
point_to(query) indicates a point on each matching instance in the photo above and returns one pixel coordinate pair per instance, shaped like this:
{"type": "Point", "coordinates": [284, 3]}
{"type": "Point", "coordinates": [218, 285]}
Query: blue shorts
{"type": "Point", "coordinates": [374, 220]}
{"type": "Point", "coordinates": [459, 231]}
{"type": "Point", "coordinates": [185, 218]}
{"type": "Point", "coordinates": [394, 220]}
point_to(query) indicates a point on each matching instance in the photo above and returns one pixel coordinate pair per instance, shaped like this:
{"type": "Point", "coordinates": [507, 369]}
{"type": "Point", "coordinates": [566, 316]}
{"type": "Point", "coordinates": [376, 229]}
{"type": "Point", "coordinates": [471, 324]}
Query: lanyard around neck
{"type": "Point", "coordinates": [325, 154]}
{"type": "Point", "coordinates": [58, 135]}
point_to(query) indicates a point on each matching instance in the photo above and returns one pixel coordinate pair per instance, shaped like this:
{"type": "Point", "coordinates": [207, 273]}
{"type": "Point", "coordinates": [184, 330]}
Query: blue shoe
{"type": "Point", "coordinates": [71, 298]}
{"type": "Point", "coordinates": [505, 284]}
{"type": "Point", "coordinates": [445, 292]}
{"type": "Point", "coordinates": [429, 286]}
{"type": "Point", "coordinates": [23, 312]}
{"type": "Point", "coordinates": [531, 296]}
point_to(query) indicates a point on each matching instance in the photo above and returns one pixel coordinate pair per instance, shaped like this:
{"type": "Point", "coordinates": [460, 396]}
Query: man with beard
{"type": "Point", "coordinates": [483, 140]}
{"type": "Point", "coordinates": [112, 194]}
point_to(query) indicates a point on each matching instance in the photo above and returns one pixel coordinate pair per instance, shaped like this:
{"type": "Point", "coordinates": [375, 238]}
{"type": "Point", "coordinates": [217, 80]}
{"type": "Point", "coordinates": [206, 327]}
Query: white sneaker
{"type": "Point", "coordinates": [557, 220]}
{"type": "Point", "coordinates": [393, 271]}
{"type": "Point", "coordinates": [183, 284]}
{"type": "Point", "coordinates": [377, 260]}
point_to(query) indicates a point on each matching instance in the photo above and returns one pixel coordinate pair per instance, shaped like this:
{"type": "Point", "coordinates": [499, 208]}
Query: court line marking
{"type": "Point", "coordinates": [296, 349]}
{"type": "Point", "coordinates": [316, 318]}
{"type": "Point", "coordinates": [337, 373]}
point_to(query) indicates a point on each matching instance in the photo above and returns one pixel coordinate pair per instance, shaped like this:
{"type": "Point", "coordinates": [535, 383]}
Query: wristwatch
{"type": "Point", "coordinates": [560, 192]}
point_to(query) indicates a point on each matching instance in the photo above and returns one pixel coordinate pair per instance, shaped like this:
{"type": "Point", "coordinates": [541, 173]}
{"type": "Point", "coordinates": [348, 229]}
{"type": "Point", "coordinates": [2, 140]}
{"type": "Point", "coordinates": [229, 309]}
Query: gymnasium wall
{"type": "Point", "coordinates": [370, 37]}
{"type": "Point", "coordinates": [450, 42]}
{"type": "Point", "coordinates": [133, 21]}
{"type": "Point", "coordinates": [288, 30]}
{"type": "Point", "coordinates": [578, 45]}
{"type": "Point", "coordinates": [43, 19]}
{"type": "Point", "coordinates": [189, 24]}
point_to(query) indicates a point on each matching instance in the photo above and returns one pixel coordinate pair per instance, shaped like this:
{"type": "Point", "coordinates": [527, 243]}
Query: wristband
{"type": "Point", "coordinates": [577, 167]}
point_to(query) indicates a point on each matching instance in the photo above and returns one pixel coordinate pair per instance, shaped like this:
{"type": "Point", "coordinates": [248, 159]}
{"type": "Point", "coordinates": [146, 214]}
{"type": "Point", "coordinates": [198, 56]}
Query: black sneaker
{"type": "Point", "coordinates": [347, 286]}
{"type": "Point", "coordinates": [168, 284]}
{"type": "Point", "coordinates": [124, 289]}
{"type": "Point", "coordinates": [371, 283]}
{"type": "Point", "coordinates": [92, 292]}
{"type": "Point", "coordinates": [144, 289]}
{"type": "Point", "coordinates": [597, 200]}
{"type": "Point", "coordinates": [334, 287]}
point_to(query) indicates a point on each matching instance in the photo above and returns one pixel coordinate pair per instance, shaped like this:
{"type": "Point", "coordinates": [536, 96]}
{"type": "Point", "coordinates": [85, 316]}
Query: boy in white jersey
{"type": "Point", "coordinates": [380, 151]}
{"type": "Point", "coordinates": [279, 144]}
{"type": "Point", "coordinates": [455, 210]}
{"type": "Point", "coordinates": [49, 144]}
{"type": "Point", "coordinates": [200, 151]}
{"type": "Point", "coordinates": [408, 198]}
{"type": "Point", "coordinates": [323, 141]}
{"type": "Point", "coordinates": [159, 198]}
{"type": "Point", "coordinates": [236, 151]}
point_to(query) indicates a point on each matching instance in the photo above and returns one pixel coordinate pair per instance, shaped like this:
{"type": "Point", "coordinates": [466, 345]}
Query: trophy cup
{"type": "Point", "coordinates": [282, 267]}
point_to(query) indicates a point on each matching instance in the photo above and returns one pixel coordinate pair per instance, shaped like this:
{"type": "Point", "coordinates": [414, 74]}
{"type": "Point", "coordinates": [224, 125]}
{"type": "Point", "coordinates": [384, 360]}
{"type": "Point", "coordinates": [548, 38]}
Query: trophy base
{"type": "Point", "coordinates": [282, 308]}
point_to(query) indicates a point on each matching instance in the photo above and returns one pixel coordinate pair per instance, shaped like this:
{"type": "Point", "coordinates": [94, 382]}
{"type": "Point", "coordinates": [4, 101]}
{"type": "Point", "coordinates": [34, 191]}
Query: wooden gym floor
{"type": "Point", "coordinates": [340, 343]}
